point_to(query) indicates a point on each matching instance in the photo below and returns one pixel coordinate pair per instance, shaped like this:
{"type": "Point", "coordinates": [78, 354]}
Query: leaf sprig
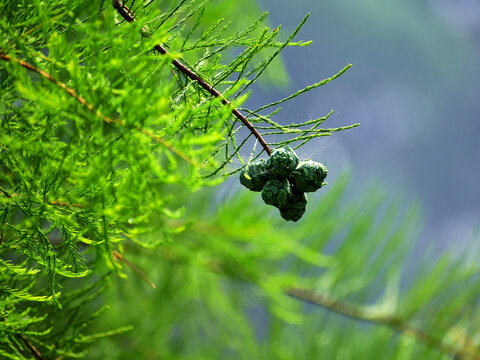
{"type": "Point", "coordinates": [100, 139]}
{"type": "Point", "coordinates": [236, 78]}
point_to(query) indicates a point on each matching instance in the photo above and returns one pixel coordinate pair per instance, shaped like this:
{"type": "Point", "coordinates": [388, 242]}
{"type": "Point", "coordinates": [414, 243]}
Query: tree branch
{"type": "Point", "coordinates": [98, 113]}
{"type": "Point", "coordinates": [36, 354]}
{"type": "Point", "coordinates": [129, 16]}
{"type": "Point", "coordinates": [392, 321]}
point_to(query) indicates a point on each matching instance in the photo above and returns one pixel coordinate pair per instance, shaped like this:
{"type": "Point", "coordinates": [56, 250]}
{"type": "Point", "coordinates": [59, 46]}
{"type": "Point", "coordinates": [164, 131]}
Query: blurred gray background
{"type": "Point", "coordinates": [414, 88]}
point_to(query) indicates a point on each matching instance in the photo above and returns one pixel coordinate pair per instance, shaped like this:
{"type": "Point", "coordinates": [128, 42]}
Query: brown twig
{"type": "Point", "coordinates": [128, 15]}
{"type": "Point", "coordinates": [394, 322]}
{"type": "Point", "coordinates": [62, 203]}
{"type": "Point", "coordinates": [98, 113]}
{"type": "Point", "coordinates": [36, 354]}
{"type": "Point", "coordinates": [135, 268]}
{"type": "Point", "coordinates": [54, 202]}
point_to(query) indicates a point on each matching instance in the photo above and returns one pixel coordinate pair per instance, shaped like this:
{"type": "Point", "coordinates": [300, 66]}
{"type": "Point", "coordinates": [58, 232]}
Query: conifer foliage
{"type": "Point", "coordinates": [104, 111]}
{"type": "Point", "coordinates": [112, 116]}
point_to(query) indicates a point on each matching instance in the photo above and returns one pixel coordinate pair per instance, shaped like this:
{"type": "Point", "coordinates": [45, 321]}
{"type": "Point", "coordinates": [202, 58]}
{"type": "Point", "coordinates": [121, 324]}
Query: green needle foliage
{"type": "Point", "coordinates": [112, 117]}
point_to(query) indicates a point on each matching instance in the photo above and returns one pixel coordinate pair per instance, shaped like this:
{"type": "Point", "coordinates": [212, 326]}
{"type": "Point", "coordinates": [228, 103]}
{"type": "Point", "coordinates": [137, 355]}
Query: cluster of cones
{"type": "Point", "coordinates": [284, 180]}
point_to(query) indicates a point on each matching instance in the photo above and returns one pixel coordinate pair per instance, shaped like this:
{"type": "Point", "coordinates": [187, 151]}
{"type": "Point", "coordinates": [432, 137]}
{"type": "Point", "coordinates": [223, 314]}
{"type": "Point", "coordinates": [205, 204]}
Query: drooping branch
{"type": "Point", "coordinates": [92, 109]}
{"type": "Point", "coordinates": [392, 321]}
{"type": "Point", "coordinates": [128, 15]}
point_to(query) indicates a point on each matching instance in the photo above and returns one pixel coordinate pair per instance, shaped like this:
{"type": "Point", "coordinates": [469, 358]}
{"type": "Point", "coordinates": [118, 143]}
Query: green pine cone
{"type": "Point", "coordinates": [282, 162]}
{"type": "Point", "coordinates": [295, 208]}
{"type": "Point", "coordinates": [277, 192]}
{"type": "Point", "coordinates": [254, 176]}
{"type": "Point", "coordinates": [309, 176]}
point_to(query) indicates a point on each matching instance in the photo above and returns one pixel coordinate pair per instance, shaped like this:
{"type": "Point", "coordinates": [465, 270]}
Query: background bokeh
{"type": "Point", "coordinates": [414, 88]}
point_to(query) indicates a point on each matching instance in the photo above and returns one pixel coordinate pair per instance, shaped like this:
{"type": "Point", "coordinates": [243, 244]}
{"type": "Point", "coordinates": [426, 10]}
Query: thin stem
{"type": "Point", "coordinates": [98, 113]}
{"type": "Point", "coordinates": [128, 15]}
{"type": "Point", "coordinates": [62, 203]}
{"type": "Point", "coordinates": [392, 321]}
{"type": "Point", "coordinates": [54, 202]}
{"type": "Point", "coordinates": [305, 89]}
{"type": "Point", "coordinates": [36, 354]}
{"type": "Point", "coordinates": [133, 267]}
